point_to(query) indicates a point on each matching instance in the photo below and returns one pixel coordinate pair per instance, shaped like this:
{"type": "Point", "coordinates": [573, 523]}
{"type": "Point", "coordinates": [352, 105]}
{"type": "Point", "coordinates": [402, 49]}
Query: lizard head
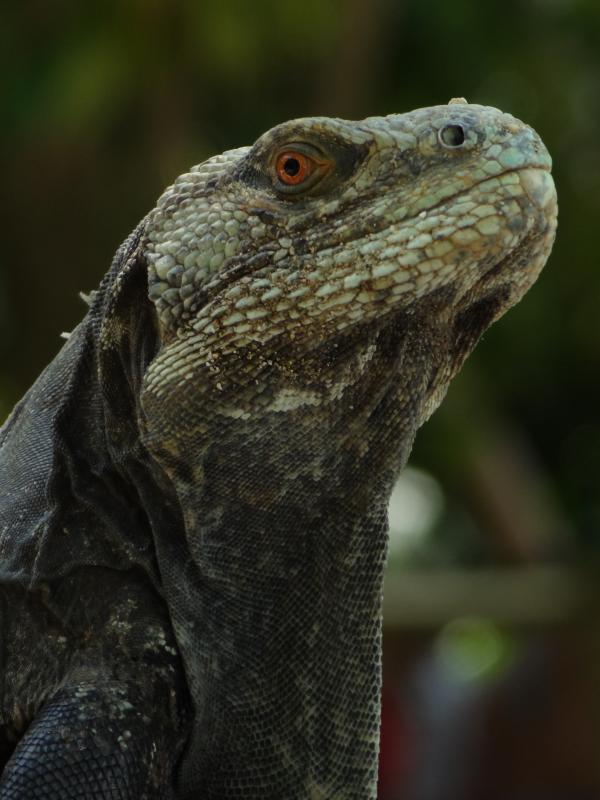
{"type": "Point", "coordinates": [335, 261]}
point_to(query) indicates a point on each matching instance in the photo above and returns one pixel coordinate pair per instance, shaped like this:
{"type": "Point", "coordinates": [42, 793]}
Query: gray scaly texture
{"type": "Point", "coordinates": [193, 512]}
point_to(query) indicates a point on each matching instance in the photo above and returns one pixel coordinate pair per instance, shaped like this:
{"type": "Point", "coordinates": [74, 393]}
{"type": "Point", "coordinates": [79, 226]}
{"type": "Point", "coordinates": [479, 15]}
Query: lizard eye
{"type": "Point", "coordinates": [299, 170]}
{"type": "Point", "coordinates": [293, 168]}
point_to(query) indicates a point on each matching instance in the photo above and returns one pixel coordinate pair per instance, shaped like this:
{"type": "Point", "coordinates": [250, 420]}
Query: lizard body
{"type": "Point", "coordinates": [193, 520]}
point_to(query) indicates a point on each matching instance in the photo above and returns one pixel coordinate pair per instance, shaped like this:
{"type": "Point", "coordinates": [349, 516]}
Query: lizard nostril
{"type": "Point", "coordinates": [451, 136]}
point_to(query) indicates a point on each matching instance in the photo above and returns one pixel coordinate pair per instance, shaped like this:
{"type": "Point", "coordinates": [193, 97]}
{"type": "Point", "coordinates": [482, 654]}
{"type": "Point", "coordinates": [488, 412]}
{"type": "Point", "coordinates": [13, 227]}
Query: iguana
{"type": "Point", "coordinates": [193, 494]}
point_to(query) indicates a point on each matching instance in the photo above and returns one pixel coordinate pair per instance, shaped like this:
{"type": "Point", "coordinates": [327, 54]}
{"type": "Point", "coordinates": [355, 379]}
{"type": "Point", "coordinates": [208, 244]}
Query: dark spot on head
{"type": "Point", "coordinates": [264, 215]}
{"type": "Point", "coordinates": [517, 224]}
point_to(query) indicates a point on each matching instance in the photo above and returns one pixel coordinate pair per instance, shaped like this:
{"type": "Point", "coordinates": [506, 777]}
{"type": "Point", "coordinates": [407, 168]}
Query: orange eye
{"type": "Point", "coordinates": [294, 167]}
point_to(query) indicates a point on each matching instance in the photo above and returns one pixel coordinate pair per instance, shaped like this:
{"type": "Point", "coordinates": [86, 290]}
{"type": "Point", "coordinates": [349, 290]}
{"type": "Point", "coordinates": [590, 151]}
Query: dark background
{"type": "Point", "coordinates": [493, 646]}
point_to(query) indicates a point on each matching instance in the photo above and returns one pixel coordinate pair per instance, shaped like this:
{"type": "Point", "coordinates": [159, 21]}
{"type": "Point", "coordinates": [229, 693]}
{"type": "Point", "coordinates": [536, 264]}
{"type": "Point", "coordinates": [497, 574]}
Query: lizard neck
{"type": "Point", "coordinates": [291, 632]}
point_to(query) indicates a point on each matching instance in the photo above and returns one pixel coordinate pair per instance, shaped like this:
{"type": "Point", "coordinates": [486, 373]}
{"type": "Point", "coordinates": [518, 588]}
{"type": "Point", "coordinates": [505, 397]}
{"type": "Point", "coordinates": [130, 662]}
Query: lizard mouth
{"type": "Point", "coordinates": [487, 181]}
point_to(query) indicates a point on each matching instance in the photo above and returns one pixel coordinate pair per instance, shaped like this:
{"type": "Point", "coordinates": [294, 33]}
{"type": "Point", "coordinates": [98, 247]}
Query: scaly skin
{"type": "Point", "coordinates": [263, 353]}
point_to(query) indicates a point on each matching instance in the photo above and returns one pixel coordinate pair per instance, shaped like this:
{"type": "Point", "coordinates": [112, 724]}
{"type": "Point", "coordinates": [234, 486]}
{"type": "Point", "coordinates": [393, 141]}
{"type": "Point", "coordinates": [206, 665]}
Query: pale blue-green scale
{"type": "Point", "coordinates": [512, 158]}
{"type": "Point", "coordinates": [231, 246]}
{"type": "Point", "coordinates": [492, 167]}
{"type": "Point", "coordinates": [232, 227]}
{"type": "Point", "coordinates": [163, 265]}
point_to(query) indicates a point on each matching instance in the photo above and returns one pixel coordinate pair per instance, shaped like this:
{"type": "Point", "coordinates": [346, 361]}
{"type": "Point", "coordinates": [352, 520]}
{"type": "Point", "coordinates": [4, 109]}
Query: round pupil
{"type": "Point", "coordinates": [453, 135]}
{"type": "Point", "coordinates": [291, 167]}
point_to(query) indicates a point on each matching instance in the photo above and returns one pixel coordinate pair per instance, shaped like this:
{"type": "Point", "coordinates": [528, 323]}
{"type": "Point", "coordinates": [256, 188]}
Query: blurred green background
{"type": "Point", "coordinates": [104, 103]}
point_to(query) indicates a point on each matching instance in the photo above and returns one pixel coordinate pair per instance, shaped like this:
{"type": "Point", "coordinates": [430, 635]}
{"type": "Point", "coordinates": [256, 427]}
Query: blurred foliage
{"type": "Point", "coordinates": [104, 103]}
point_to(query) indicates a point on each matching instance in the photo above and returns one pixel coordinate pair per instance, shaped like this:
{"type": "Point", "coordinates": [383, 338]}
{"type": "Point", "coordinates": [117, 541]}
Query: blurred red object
{"type": "Point", "coordinates": [396, 753]}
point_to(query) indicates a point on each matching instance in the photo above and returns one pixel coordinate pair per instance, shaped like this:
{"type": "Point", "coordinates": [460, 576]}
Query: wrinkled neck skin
{"type": "Point", "coordinates": [281, 578]}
